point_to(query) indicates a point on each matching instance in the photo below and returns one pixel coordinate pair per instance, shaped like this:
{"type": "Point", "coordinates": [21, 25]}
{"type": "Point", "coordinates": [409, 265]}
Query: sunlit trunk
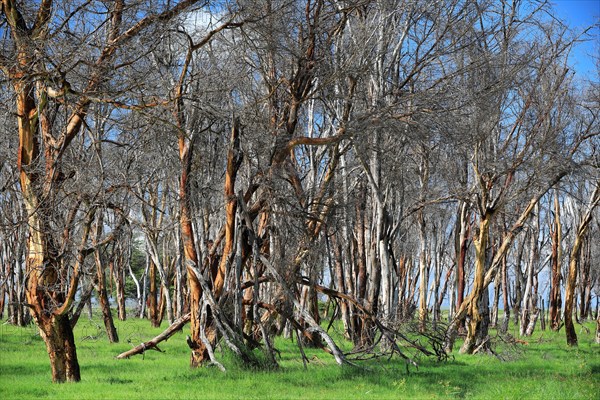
{"type": "Point", "coordinates": [199, 351]}
{"type": "Point", "coordinates": [60, 344]}
{"type": "Point", "coordinates": [476, 324]}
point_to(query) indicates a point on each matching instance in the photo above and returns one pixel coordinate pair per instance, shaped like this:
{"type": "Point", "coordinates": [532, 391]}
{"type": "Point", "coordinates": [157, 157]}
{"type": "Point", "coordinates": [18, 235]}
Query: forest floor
{"type": "Point", "coordinates": [543, 368]}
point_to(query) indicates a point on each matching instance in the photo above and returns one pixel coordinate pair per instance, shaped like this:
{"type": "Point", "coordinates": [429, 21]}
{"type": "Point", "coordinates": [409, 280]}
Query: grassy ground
{"type": "Point", "coordinates": [545, 368]}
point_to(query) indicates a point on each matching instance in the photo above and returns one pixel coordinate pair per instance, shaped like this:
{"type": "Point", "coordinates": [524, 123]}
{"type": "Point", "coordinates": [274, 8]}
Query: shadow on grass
{"type": "Point", "coordinates": [117, 381]}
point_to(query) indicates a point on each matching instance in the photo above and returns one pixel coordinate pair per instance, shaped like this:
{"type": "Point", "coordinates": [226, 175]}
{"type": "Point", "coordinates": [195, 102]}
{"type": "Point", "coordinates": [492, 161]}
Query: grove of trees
{"type": "Point", "coordinates": [411, 168]}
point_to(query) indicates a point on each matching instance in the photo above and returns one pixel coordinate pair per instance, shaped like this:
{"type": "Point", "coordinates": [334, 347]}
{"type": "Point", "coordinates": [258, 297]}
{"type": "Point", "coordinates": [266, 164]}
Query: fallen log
{"type": "Point", "coordinates": [153, 343]}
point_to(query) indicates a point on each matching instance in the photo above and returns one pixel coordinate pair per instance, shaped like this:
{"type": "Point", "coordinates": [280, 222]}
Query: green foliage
{"type": "Point", "coordinates": [545, 368]}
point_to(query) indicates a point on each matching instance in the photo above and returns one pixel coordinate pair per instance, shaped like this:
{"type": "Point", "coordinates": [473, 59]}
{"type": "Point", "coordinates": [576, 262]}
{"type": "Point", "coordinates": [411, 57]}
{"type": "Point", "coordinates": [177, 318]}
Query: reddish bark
{"type": "Point", "coordinates": [234, 160]}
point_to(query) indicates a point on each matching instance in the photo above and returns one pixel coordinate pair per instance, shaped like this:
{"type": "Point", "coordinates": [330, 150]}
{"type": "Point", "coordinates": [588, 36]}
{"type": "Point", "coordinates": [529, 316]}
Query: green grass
{"type": "Point", "coordinates": [545, 368]}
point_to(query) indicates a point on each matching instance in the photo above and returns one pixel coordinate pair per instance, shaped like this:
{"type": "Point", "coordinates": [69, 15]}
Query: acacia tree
{"type": "Point", "coordinates": [48, 85]}
{"type": "Point", "coordinates": [504, 151]}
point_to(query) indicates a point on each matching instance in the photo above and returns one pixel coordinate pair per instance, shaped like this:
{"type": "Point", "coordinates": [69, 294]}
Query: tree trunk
{"type": "Point", "coordinates": [556, 257]}
{"type": "Point", "coordinates": [476, 325]}
{"type": "Point", "coordinates": [423, 273]}
{"type": "Point", "coordinates": [362, 336]}
{"type": "Point", "coordinates": [542, 313]}
{"type": "Point", "coordinates": [152, 300]}
{"type": "Point", "coordinates": [49, 307]}
{"type": "Point", "coordinates": [423, 245]}
{"type": "Point", "coordinates": [53, 323]}
{"type": "Point", "coordinates": [84, 300]}
{"type": "Point", "coordinates": [518, 282]}
{"type": "Point", "coordinates": [496, 261]}
{"type": "Point", "coordinates": [437, 276]}
{"type": "Point", "coordinates": [585, 282]}
{"type": "Point", "coordinates": [60, 344]}
{"type": "Point", "coordinates": [527, 309]}
{"type": "Point", "coordinates": [234, 160]}
{"type": "Point", "coordinates": [341, 286]}
{"type": "Point", "coordinates": [119, 277]}
{"type": "Point", "coordinates": [570, 293]}
{"type": "Point", "coordinates": [496, 303]}
{"type": "Point", "coordinates": [111, 330]}
{"type": "Point", "coordinates": [505, 296]}
{"type": "Point", "coordinates": [463, 234]}
{"type": "Point", "coordinates": [199, 350]}
{"type": "Point", "coordinates": [574, 260]}
{"type": "Point", "coordinates": [180, 285]}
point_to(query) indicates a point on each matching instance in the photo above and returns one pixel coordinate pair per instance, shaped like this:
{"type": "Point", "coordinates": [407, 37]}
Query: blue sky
{"type": "Point", "coordinates": [580, 14]}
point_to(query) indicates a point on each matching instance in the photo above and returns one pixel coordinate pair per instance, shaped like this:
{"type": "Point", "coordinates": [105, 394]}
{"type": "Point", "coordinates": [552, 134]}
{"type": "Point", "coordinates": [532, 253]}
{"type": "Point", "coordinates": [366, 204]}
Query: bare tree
{"type": "Point", "coordinates": [45, 82]}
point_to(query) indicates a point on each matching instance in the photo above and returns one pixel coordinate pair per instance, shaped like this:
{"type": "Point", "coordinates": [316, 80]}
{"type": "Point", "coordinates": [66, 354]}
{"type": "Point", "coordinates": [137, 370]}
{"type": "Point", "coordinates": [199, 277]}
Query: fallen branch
{"type": "Point", "coordinates": [483, 345]}
{"type": "Point", "coordinates": [153, 343]}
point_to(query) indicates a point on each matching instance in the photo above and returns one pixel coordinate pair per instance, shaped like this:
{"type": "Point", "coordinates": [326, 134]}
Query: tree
{"type": "Point", "coordinates": [574, 261]}
{"type": "Point", "coordinates": [48, 84]}
{"type": "Point", "coordinates": [513, 133]}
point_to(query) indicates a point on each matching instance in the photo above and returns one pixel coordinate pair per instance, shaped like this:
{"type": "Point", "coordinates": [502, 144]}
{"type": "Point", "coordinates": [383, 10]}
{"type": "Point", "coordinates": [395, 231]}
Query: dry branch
{"type": "Point", "coordinates": [152, 344]}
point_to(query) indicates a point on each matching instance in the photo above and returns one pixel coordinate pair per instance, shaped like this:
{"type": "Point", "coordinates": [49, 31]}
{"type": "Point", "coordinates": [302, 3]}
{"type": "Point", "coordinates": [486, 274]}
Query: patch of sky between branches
{"type": "Point", "coordinates": [582, 16]}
